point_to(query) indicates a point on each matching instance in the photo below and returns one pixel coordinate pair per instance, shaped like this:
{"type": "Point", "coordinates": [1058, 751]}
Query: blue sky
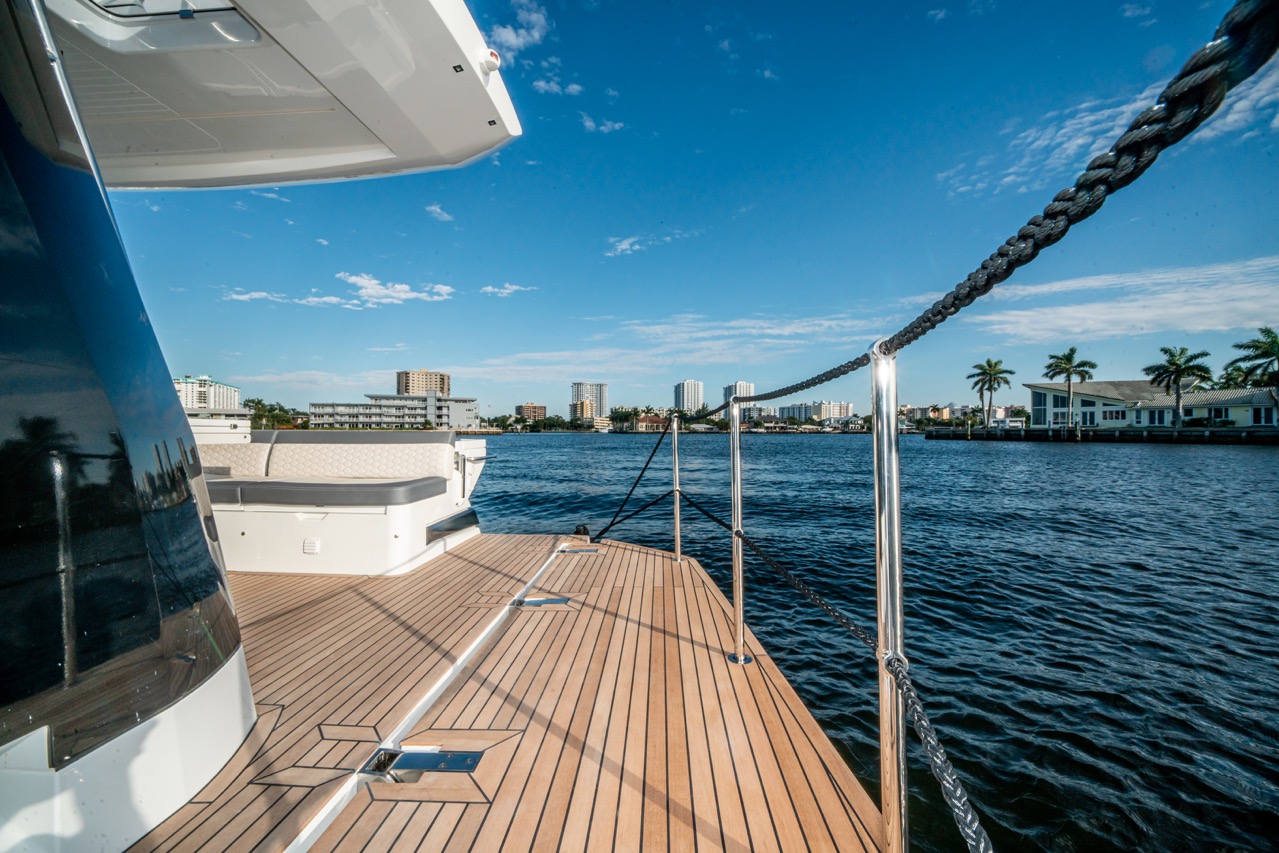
{"type": "Point", "coordinates": [750, 191]}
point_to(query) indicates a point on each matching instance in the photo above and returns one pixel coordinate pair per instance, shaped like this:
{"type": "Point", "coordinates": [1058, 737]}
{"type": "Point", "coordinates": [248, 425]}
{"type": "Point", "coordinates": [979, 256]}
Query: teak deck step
{"type": "Point", "coordinates": [604, 711]}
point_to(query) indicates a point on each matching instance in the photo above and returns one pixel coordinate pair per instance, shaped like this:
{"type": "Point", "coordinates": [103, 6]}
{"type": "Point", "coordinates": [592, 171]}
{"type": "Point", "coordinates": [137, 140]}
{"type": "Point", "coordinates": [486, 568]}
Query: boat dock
{"type": "Point", "coordinates": [1159, 435]}
{"type": "Point", "coordinates": [603, 709]}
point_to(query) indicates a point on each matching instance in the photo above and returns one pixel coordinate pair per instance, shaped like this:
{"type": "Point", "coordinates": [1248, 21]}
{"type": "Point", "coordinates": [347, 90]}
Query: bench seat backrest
{"type": "Point", "coordinates": [361, 461]}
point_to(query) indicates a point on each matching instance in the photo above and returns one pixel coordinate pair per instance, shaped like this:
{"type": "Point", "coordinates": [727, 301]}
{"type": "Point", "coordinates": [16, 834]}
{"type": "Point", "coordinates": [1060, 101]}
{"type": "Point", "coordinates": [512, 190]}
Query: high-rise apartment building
{"type": "Point", "coordinates": [688, 395]}
{"type": "Point", "coordinates": [201, 392]}
{"type": "Point", "coordinates": [596, 392]}
{"type": "Point", "coordinates": [419, 382]}
{"type": "Point", "coordinates": [531, 412]}
{"type": "Point", "coordinates": [581, 410]}
{"type": "Point", "coordinates": [738, 389]}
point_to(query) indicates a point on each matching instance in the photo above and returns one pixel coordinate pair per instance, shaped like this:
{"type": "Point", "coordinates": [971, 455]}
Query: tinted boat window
{"type": "Point", "coordinates": [114, 605]}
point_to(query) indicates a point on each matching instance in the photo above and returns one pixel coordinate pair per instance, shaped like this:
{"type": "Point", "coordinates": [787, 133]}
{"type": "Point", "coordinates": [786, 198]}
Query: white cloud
{"type": "Point", "coordinates": [239, 205]}
{"type": "Point", "coordinates": [1134, 10]}
{"type": "Point", "coordinates": [636, 243]}
{"type": "Point", "coordinates": [1210, 298]}
{"type": "Point", "coordinates": [272, 195]}
{"type": "Point", "coordinates": [1056, 148]}
{"type": "Point", "coordinates": [321, 379]}
{"type": "Point", "coordinates": [327, 301]}
{"type": "Point", "coordinates": [401, 347]}
{"type": "Point", "coordinates": [373, 292]}
{"type": "Point", "coordinates": [154, 208]}
{"type": "Point", "coordinates": [321, 241]}
{"type": "Point", "coordinates": [505, 290]}
{"type": "Point", "coordinates": [605, 126]}
{"type": "Point", "coordinates": [936, 15]}
{"type": "Point", "coordinates": [1059, 146]}
{"type": "Point", "coordinates": [531, 28]}
{"type": "Point", "coordinates": [685, 341]}
{"type": "Point", "coordinates": [573, 89]}
{"type": "Point", "coordinates": [612, 93]}
{"type": "Point", "coordinates": [767, 74]}
{"type": "Point", "coordinates": [239, 295]}
{"type": "Point", "coordinates": [438, 212]}
{"type": "Point", "coordinates": [623, 246]}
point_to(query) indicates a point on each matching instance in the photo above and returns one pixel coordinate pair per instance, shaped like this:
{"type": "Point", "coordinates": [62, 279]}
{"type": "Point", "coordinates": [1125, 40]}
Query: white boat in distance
{"type": "Point", "coordinates": [305, 643]}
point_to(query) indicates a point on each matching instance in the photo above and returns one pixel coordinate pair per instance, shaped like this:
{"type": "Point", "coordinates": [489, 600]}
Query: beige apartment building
{"type": "Point", "coordinates": [583, 410]}
{"type": "Point", "coordinates": [418, 382]}
{"type": "Point", "coordinates": [531, 412]}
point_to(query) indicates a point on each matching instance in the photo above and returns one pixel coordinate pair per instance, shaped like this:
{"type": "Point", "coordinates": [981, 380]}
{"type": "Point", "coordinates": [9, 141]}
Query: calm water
{"type": "Point", "coordinates": [1094, 628]}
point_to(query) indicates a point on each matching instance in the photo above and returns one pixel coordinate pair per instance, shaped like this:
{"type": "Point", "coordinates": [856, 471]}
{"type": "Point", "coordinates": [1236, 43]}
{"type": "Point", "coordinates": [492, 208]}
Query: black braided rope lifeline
{"type": "Point", "coordinates": [1246, 39]}
{"type": "Point", "coordinates": [943, 771]}
{"type": "Point", "coordinates": [640, 476]}
{"type": "Point", "coordinates": [629, 516]}
{"type": "Point", "coordinates": [966, 819]}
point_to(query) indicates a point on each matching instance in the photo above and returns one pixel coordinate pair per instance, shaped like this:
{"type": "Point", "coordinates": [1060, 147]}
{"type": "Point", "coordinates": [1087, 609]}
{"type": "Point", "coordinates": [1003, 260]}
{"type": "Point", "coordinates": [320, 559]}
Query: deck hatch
{"type": "Point", "coordinates": [538, 602]}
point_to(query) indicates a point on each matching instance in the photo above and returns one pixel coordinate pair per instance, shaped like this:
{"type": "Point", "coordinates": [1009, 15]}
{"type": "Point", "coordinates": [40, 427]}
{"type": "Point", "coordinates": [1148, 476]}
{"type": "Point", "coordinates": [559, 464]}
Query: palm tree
{"type": "Point", "coordinates": [1067, 364]}
{"type": "Point", "coordinates": [1260, 359]}
{"type": "Point", "coordinates": [987, 380]}
{"type": "Point", "coordinates": [1179, 364]}
{"type": "Point", "coordinates": [1231, 378]}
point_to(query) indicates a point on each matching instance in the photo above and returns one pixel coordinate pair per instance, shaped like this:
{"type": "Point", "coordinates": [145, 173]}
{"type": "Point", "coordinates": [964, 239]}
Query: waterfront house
{"type": "Point", "coordinates": [1240, 407]}
{"type": "Point", "coordinates": [1097, 404]}
{"type": "Point", "coordinates": [1137, 403]}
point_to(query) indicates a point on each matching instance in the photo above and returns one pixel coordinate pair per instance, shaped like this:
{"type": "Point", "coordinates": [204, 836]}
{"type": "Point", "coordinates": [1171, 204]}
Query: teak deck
{"type": "Point", "coordinates": [612, 721]}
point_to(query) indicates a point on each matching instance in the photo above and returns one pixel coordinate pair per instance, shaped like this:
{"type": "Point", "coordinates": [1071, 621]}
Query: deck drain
{"type": "Point", "coordinates": [396, 766]}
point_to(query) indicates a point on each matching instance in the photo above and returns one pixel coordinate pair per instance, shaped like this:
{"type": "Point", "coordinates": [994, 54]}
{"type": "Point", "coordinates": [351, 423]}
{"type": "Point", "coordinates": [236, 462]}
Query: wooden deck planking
{"type": "Point", "coordinates": [321, 652]}
{"type": "Point", "coordinates": [613, 722]}
{"type": "Point", "coordinates": [637, 733]}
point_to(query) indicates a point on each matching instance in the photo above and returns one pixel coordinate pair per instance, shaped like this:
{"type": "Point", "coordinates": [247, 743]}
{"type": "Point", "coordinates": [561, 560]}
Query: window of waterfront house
{"type": "Point", "coordinates": [1136, 416]}
{"type": "Point", "coordinates": [1088, 402]}
{"type": "Point", "coordinates": [1157, 417]}
{"type": "Point", "coordinates": [1060, 401]}
{"type": "Point", "coordinates": [1263, 416]}
{"type": "Point", "coordinates": [1114, 415]}
{"type": "Point", "coordinates": [1038, 408]}
{"type": "Point", "coordinates": [1219, 413]}
{"type": "Point", "coordinates": [1088, 418]}
{"type": "Point", "coordinates": [1188, 411]}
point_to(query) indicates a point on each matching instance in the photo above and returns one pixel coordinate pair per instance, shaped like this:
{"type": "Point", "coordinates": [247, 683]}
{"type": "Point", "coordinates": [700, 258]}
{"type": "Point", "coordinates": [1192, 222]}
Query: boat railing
{"type": "Point", "coordinates": [1245, 40]}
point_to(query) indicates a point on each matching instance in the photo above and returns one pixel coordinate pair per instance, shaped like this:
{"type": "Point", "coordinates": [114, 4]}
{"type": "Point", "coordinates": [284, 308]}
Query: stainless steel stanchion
{"type": "Point", "coordinates": [674, 467]}
{"type": "Point", "coordinates": [888, 565]}
{"type": "Point", "coordinates": [735, 450]}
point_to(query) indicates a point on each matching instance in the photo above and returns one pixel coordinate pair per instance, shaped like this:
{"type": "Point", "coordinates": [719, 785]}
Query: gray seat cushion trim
{"type": "Point", "coordinates": [334, 493]}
